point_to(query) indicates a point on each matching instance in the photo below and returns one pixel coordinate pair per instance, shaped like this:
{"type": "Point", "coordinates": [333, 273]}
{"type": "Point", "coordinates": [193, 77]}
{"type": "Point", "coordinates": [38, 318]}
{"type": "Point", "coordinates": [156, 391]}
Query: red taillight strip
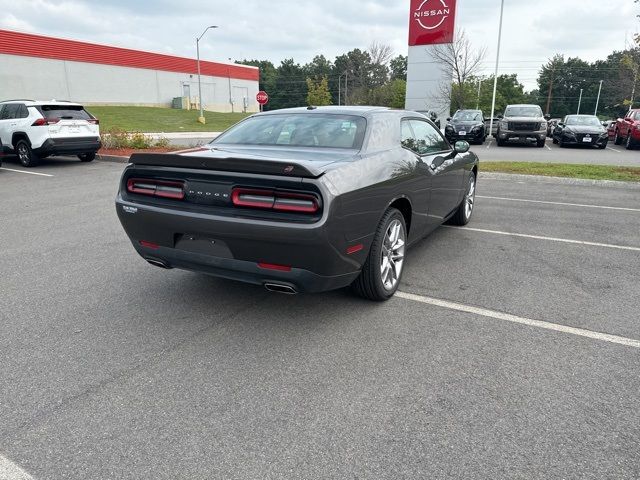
{"type": "Point", "coordinates": [281, 201]}
{"type": "Point", "coordinates": [45, 121]}
{"type": "Point", "coordinates": [156, 188]}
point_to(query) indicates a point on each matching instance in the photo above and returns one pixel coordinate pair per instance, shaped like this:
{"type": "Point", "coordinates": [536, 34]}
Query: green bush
{"type": "Point", "coordinates": [115, 138]}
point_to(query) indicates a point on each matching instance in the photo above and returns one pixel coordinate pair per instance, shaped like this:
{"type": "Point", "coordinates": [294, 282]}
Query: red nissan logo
{"type": "Point", "coordinates": [431, 14]}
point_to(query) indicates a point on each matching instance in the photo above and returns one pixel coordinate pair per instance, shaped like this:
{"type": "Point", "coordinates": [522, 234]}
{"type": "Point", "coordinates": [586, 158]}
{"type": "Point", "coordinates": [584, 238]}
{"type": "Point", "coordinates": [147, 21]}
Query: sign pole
{"type": "Point", "coordinates": [495, 76]}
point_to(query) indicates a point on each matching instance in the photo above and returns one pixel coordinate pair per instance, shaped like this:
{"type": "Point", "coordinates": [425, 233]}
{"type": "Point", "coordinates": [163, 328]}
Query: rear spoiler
{"type": "Point", "coordinates": [226, 164]}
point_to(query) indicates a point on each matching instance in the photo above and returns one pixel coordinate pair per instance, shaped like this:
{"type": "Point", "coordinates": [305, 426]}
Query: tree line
{"type": "Point", "coordinates": [376, 77]}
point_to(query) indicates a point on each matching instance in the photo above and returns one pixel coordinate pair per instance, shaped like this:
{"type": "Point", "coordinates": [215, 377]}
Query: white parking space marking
{"type": "Point", "coordinates": [30, 173]}
{"type": "Point", "coordinates": [490, 142]}
{"type": "Point", "coordinates": [583, 205]}
{"type": "Point", "coordinates": [604, 337]}
{"type": "Point", "coordinates": [10, 471]}
{"type": "Point", "coordinates": [614, 149]}
{"type": "Point", "coordinates": [547, 147]}
{"type": "Point", "coordinates": [550, 239]}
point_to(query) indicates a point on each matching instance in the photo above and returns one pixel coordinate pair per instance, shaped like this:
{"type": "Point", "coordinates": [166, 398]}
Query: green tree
{"type": "Point", "coordinates": [318, 91]}
{"type": "Point", "coordinates": [290, 88]}
{"type": "Point", "coordinates": [398, 67]}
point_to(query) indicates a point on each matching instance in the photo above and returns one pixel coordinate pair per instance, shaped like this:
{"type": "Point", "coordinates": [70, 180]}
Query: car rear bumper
{"type": "Point", "coordinates": [69, 146]}
{"type": "Point", "coordinates": [307, 258]}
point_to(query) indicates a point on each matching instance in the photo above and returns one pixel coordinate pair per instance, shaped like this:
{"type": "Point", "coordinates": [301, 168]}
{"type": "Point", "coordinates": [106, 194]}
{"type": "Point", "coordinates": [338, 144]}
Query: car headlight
{"type": "Point", "coordinates": [543, 126]}
{"type": "Point", "coordinates": [504, 125]}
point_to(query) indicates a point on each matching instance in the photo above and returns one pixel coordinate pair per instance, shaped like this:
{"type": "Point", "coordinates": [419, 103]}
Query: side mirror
{"type": "Point", "coordinates": [605, 124]}
{"type": "Point", "coordinates": [448, 119]}
{"type": "Point", "coordinates": [547, 117]}
{"type": "Point", "coordinates": [560, 124]}
{"type": "Point", "coordinates": [461, 146]}
{"type": "Point", "coordinates": [500, 117]}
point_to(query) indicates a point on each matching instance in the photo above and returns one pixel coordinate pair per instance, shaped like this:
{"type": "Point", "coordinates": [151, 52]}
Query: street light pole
{"type": "Point", "coordinates": [479, 85]}
{"type": "Point", "coordinates": [598, 100]}
{"type": "Point", "coordinates": [201, 117]}
{"type": "Point", "coordinates": [495, 77]}
{"type": "Point", "coordinates": [579, 101]}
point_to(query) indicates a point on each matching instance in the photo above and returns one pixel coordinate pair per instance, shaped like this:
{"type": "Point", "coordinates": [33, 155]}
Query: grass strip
{"type": "Point", "coordinates": [590, 172]}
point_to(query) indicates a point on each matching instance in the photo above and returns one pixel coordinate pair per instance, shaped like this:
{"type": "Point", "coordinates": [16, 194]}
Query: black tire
{"type": "Point", "coordinates": [28, 158]}
{"type": "Point", "coordinates": [629, 144]}
{"type": "Point", "coordinates": [463, 215]}
{"type": "Point", "coordinates": [561, 143]}
{"type": "Point", "coordinates": [555, 141]}
{"type": "Point", "coordinates": [499, 142]}
{"type": "Point", "coordinates": [369, 283]}
{"type": "Point", "coordinates": [87, 157]}
{"type": "Point", "coordinates": [617, 139]}
{"type": "Point", "coordinates": [540, 143]}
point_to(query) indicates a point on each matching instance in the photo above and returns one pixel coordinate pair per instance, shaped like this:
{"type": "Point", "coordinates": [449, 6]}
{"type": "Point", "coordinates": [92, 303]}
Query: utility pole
{"type": "Point", "coordinates": [479, 85]}
{"type": "Point", "coordinates": [339, 88]}
{"type": "Point", "coordinates": [553, 76]}
{"type": "Point", "coordinates": [495, 78]}
{"type": "Point", "coordinates": [598, 100]}
{"type": "Point", "coordinates": [201, 117]}
{"type": "Point", "coordinates": [633, 90]}
{"type": "Point", "coordinates": [579, 101]}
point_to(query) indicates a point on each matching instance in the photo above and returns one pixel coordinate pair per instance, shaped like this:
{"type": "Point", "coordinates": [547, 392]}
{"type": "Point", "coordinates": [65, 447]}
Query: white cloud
{"type": "Point", "coordinates": [533, 30]}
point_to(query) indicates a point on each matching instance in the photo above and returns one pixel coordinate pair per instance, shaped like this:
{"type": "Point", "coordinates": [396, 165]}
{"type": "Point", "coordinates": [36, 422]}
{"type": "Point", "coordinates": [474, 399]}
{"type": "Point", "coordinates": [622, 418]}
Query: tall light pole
{"type": "Point", "coordinates": [495, 77]}
{"type": "Point", "coordinates": [580, 101]}
{"type": "Point", "coordinates": [201, 117]}
{"type": "Point", "coordinates": [479, 85]}
{"type": "Point", "coordinates": [598, 100]}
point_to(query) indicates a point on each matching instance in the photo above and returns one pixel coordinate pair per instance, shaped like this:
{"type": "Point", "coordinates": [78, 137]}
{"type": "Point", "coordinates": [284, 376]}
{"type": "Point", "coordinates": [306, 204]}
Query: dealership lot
{"type": "Point", "coordinates": [613, 155]}
{"type": "Point", "coordinates": [112, 368]}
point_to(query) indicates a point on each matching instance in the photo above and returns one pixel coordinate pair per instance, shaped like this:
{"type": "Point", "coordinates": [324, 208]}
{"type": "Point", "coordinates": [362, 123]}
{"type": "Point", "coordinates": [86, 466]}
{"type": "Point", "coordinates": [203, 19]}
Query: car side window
{"type": "Point", "coordinates": [22, 112]}
{"type": "Point", "coordinates": [428, 139]}
{"type": "Point", "coordinates": [407, 138]}
{"type": "Point", "coordinates": [9, 111]}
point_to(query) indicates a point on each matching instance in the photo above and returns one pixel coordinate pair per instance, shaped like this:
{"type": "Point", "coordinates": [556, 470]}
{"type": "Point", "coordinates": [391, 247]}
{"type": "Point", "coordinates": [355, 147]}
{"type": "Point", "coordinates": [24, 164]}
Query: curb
{"type": "Point", "coordinates": [112, 158]}
{"type": "Point", "coordinates": [558, 180]}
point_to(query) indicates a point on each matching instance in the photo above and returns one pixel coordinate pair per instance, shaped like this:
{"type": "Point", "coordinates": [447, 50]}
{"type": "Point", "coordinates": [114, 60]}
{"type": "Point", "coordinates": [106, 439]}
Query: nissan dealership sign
{"type": "Point", "coordinates": [431, 22]}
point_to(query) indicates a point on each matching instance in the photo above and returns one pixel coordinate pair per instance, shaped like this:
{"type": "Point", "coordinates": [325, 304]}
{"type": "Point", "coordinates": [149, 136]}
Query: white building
{"type": "Point", "coordinates": [39, 67]}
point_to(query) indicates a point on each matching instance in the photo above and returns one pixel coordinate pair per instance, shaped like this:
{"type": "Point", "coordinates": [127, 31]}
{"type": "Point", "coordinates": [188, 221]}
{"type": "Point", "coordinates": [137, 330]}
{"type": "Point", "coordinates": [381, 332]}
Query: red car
{"type": "Point", "coordinates": [627, 130]}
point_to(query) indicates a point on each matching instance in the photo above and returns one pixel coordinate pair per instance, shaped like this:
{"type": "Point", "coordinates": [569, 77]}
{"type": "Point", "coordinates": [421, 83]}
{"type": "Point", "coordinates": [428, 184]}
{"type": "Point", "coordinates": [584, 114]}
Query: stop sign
{"type": "Point", "coordinates": [262, 97]}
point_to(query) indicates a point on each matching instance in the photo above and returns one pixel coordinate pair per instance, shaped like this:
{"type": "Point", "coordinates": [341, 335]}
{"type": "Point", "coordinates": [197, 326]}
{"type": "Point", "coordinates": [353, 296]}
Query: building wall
{"type": "Point", "coordinates": [92, 83]}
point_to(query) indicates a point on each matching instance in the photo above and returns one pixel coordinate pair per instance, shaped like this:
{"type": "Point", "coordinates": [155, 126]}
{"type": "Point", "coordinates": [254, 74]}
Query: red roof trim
{"type": "Point", "coordinates": [31, 45]}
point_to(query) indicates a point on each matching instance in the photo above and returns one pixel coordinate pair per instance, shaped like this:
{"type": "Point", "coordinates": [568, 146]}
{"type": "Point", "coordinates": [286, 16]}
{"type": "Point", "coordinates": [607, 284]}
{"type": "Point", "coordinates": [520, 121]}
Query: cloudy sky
{"type": "Point", "coordinates": [276, 29]}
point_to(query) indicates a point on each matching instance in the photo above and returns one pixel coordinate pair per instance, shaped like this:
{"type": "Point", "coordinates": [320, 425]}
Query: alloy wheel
{"type": "Point", "coordinates": [392, 254]}
{"type": "Point", "coordinates": [470, 197]}
{"type": "Point", "coordinates": [23, 153]}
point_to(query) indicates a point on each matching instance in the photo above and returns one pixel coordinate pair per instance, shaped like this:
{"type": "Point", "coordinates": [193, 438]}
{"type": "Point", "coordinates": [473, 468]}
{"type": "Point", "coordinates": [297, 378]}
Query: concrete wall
{"type": "Point", "coordinates": [90, 83]}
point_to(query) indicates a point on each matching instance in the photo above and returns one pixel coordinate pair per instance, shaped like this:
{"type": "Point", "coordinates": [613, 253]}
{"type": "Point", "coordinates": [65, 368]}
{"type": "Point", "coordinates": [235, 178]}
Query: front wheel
{"type": "Point", "coordinates": [540, 143]}
{"type": "Point", "coordinates": [28, 158]}
{"type": "Point", "coordinates": [628, 144]}
{"type": "Point", "coordinates": [87, 157]}
{"type": "Point", "coordinates": [381, 273]}
{"type": "Point", "coordinates": [465, 209]}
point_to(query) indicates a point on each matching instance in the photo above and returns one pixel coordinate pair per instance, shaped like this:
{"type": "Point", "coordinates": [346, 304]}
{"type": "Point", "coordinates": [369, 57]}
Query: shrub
{"type": "Point", "coordinates": [115, 138]}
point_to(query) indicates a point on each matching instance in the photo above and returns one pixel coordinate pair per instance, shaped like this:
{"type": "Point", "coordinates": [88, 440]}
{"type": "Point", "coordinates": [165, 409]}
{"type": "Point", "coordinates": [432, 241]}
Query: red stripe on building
{"type": "Point", "coordinates": [27, 44]}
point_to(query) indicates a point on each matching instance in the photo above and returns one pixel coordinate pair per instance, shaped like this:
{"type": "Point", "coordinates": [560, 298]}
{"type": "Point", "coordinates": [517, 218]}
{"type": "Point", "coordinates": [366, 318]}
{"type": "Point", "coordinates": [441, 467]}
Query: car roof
{"type": "Point", "coordinates": [37, 103]}
{"type": "Point", "coordinates": [336, 110]}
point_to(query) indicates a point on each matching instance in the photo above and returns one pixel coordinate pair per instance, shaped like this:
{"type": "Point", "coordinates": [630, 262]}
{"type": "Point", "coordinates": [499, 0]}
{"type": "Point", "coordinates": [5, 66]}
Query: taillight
{"type": "Point", "coordinates": [45, 121]}
{"type": "Point", "coordinates": [156, 188]}
{"type": "Point", "coordinates": [275, 200]}
{"type": "Point", "coordinates": [94, 121]}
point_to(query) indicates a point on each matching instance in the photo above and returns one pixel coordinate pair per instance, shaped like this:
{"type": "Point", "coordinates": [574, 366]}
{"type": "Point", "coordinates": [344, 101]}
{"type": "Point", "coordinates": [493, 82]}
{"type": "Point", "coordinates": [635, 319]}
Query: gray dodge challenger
{"type": "Point", "coordinates": [300, 200]}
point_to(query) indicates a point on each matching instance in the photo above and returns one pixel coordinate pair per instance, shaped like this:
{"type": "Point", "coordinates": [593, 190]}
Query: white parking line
{"type": "Point", "coordinates": [560, 203]}
{"type": "Point", "coordinates": [23, 171]}
{"type": "Point", "coordinates": [547, 147]}
{"type": "Point", "coordinates": [490, 142]}
{"type": "Point", "coordinates": [550, 239]}
{"type": "Point", "coordinates": [614, 149]}
{"type": "Point", "coordinates": [604, 337]}
{"type": "Point", "coordinates": [11, 471]}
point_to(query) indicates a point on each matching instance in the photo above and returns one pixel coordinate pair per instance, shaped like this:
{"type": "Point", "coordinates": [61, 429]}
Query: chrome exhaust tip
{"type": "Point", "coordinates": [280, 288]}
{"type": "Point", "coordinates": [157, 263]}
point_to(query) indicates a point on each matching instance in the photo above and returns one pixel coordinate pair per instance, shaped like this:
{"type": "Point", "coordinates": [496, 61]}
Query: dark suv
{"type": "Point", "coordinates": [522, 123]}
{"type": "Point", "coordinates": [466, 125]}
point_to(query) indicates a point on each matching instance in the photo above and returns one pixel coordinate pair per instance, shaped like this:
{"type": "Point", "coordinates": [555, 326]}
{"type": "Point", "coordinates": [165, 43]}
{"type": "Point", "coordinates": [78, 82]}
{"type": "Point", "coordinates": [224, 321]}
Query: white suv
{"type": "Point", "coordinates": [33, 130]}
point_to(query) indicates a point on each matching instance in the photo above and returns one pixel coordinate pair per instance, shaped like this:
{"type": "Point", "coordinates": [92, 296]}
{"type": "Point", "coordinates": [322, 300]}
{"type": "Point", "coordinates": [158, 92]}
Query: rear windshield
{"type": "Point", "coordinates": [67, 112]}
{"type": "Point", "coordinates": [523, 112]}
{"type": "Point", "coordinates": [298, 129]}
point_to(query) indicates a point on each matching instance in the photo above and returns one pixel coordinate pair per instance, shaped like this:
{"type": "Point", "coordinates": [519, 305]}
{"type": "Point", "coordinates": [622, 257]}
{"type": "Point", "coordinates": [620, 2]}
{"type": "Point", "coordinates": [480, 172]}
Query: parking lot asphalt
{"type": "Point", "coordinates": [515, 152]}
{"type": "Point", "coordinates": [112, 368]}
